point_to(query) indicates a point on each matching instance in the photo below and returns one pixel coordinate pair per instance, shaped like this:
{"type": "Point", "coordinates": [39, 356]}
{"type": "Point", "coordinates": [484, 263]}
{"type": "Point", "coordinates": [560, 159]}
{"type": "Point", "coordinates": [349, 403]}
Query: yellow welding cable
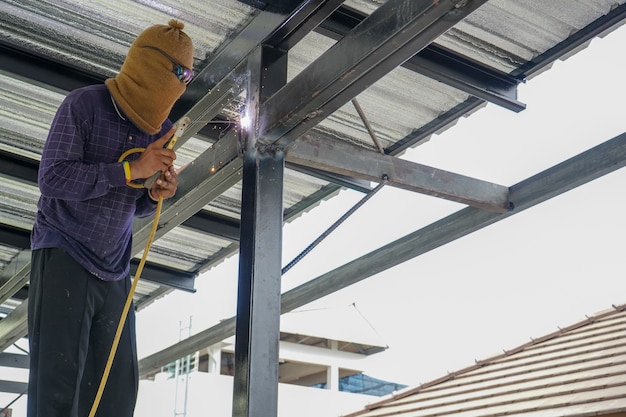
{"type": "Point", "coordinates": [123, 158]}
{"type": "Point", "coordinates": [129, 298]}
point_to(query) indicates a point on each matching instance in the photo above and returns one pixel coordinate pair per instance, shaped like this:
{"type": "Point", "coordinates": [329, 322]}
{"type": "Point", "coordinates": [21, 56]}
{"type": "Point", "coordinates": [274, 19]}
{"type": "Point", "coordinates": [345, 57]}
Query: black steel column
{"type": "Point", "coordinates": [258, 305]}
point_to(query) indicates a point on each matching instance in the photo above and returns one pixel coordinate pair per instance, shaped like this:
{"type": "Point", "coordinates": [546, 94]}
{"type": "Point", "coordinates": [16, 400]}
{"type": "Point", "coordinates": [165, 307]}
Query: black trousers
{"type": "Point", "coordinates": [72, 320]}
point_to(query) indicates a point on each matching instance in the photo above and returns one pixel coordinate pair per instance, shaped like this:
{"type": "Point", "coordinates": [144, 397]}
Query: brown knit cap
{"type": "Point", "coordinates": [169, 38]}
{"type": "Point", "coordinates": [146, 89]}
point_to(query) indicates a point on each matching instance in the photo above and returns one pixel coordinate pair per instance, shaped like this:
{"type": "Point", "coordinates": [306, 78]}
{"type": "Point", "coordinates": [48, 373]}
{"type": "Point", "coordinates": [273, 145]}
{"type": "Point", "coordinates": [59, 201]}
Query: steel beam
{"type": "Point", "coordinates": [310, 14]}
{"type": "Point", "coordinates": [258, 303]}
{"type": "Point", "coordinates": [14, 326]}
{"type": "Point", "coordinates": [355, 184]}
{"type": "Point", "coordinates": [355, 161]}
{"type": "Point", "coordinates": [14, 360]}
{"type": "Point", "coordinates": [393, 33]}
{"type": "Point", "coordinates": [274, 6]}
{"type": "Point", "coordinates": [465, 75]}
{"type": "Point", "coordinates": [550, 183]}
{"type": "Point", "coordinates": [443, 65]}
{"type": "Point", "coordinates": [169, 277]}
{"type": "Point", "coordinates": [13, 387]}
{"type": "Point", "coordinates": [594, 163]}
{"type": "Point", "coordinates": [14, 236]}
{"type": "Point", "coordinates": [214, 224]}
{"type": "Point", "coordinates": [257, 332]}
{"type": "Point", "coordinates": [274, 29]}
{"type": "Point", "coordinates": [19, 167]}
{"type": "Point", "coordinates": [57, 75]}
{"type": "Point", "coordinates": [152, 364]}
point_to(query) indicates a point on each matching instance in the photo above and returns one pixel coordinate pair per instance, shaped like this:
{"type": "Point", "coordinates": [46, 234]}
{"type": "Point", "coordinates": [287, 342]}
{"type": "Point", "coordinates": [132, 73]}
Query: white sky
{"type": "Point", "coordinates": [523, 277]}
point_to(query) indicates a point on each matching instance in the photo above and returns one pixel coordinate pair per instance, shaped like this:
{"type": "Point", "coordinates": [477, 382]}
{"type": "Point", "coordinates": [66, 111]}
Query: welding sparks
{"type": "Point", "coordinates": [244, 122]}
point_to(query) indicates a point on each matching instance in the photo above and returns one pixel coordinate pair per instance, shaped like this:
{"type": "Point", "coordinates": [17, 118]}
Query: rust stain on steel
{"type": "Point", "coordinates": [347, 74]}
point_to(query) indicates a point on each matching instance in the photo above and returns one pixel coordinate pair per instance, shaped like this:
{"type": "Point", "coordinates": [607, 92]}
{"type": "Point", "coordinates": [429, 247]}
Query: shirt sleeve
{"type": "Point", "coordinates": [63, 173]}
{"type": "Point", "coordinates": [145, 206]}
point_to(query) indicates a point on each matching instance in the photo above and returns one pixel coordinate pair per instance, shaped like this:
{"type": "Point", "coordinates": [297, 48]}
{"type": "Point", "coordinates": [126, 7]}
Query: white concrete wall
{"type": "Point", "coordinates": [211, 395]}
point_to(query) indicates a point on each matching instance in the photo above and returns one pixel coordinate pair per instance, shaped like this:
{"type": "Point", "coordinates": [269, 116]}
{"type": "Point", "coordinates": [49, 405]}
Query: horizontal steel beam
{"type": "Point", "coordinates": [13, 387]}
{"type": "Point", "coordinates": [308, 16]}
{"type": "Point", "coordinates": [214, 224]}
{"type": "Point", "coordinates": [442, 65]}
{"type": "Point", "coordinates": [382, 42]}
{"type": "Point", "coordinates": [19, 167]}
{"type": "Point", "coordinates": [173, 278]}
{"type": "Point", "coordinates": [594, 163]}
{"type": "Point", "coordinates": [152, 364]}
{"type": "Point", "coordinates": [550, 183]}
{"type": "Point", "coordinates": [13, 236]}
{"type": "Point", "coordinates": [465, 75]}
{"type": "Point", "coordinates": [14, 360]}
{"type": "Point", "coordinates": [354, 161]}
{"type": "Point", "coordinates": [338, 180]}
{"type": "Point", "coordinates": [43, 70]}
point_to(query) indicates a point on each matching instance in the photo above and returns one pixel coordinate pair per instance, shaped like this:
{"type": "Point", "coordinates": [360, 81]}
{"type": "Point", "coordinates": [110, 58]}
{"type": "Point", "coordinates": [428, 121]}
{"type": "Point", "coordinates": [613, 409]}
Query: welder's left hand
{"type": "Point", "coordinates": [165, 186]}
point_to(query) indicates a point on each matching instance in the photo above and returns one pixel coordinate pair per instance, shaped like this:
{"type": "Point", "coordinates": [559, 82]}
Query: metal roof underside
{"type": "Point", "coordinates": [576, 371]}
{"type": "Point", "coordinates": [356, 69]}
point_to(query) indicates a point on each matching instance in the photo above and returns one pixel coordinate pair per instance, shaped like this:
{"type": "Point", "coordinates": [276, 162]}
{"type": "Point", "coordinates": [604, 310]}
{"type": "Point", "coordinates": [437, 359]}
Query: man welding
{"type": "Point", "coordinates": [81, 239]}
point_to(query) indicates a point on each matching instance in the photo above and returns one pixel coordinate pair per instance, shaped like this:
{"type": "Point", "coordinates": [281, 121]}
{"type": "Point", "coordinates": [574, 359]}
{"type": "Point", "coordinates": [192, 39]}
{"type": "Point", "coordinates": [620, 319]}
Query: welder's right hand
{"type": "Point", "coordinates": [154, 159]}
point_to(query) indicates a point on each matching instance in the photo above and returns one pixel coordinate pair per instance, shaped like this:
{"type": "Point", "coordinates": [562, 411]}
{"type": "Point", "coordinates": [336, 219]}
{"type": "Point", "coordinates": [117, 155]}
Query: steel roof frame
{"type": "Point", "coordinates": [442, 65]}
{"type": "Point", "coordinates": [523, 195]}
{"type": "Point", "coordinates": [268, 28]}
{"type": "Point", "coordinates": [576, 171]}
{"type": "Point", "coordinates": [283, 131]}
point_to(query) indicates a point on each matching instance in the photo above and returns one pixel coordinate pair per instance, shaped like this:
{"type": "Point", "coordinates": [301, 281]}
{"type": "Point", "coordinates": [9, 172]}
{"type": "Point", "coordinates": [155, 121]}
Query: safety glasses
{"type": "Point", "coordinates": [183, 74]}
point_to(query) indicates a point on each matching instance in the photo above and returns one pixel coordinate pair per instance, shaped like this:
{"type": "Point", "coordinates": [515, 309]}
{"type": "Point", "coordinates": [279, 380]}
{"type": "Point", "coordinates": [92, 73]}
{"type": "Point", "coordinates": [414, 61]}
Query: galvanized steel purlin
{"type": "Point", "coordinates": [353, 161]}
{"type": "Point", "coordinates": [379, 44]}
{"type": "Point", "coordinates": [441, 232]}
{"type": "Point", "coordinates": [444, 65]}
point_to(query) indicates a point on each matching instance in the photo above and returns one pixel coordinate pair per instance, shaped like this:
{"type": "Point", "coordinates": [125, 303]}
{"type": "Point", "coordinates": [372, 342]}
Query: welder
{"type": "Point", "coordinates": [81, 239]}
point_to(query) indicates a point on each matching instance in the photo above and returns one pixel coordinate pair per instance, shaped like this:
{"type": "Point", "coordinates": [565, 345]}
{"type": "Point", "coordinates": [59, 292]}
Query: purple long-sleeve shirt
{"type": "Point", "coordinates": [85, 207]}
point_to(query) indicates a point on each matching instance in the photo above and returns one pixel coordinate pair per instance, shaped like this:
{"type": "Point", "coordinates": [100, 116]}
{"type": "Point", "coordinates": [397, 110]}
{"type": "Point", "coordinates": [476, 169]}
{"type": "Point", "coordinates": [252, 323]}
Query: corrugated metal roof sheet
{"type": "Point", "coordinates": [507, 34]}
{"type": "Point", "coordinates": [95, 35]}
{"type": "Point", "coordinates": [576, 371]}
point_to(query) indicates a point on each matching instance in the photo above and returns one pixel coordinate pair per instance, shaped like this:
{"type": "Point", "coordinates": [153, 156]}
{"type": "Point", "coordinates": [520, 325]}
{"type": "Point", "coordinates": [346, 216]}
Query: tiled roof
{"type": "Point", "coordinates": [579, 370]}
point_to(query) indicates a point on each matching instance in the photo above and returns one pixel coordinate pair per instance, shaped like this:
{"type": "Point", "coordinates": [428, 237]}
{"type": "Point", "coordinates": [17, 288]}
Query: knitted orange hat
{"type": "Point", "coordinates": [146, 88]}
